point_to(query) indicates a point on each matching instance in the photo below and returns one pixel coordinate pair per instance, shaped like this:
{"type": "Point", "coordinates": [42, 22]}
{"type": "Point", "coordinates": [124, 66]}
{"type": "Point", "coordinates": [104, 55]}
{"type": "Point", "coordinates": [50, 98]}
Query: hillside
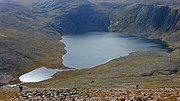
{"type": "Point", "coordinates": [72, 16]}
{"type": "Point", "coordinates": [147, 69]}
{"type": "Point", "coordinates": [24, 43]}
{"type": "Point", "coordinates": [152, 21]}
{"type": "Point", "coordinates": [30, 38]}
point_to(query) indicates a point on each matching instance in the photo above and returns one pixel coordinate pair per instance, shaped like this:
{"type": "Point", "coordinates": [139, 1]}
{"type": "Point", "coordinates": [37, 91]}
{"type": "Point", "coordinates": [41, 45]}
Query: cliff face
{"type": "Point", "coordinates": [145, 19]}
{"type": "Point", "coordinates": [84, 18]}
{"type": "Point", "coordinates": [74, 16]}
{"type": "Point", "coordinates": [152, 21]}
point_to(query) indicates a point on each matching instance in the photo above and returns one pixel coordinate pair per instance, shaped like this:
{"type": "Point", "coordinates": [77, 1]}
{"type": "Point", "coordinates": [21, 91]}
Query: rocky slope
{"type": "Point", "coordinates": [147, 18]}
{"type": "Point", "coordinates": [98, 94]}
{"type": "Point", "coordinates": [152, 21]}
{"type": "Point", "coordinates": [86, 94]}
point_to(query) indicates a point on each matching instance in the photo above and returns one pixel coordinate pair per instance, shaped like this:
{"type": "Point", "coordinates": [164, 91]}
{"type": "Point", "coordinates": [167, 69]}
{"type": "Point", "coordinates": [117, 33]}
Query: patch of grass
{"type": "Point", "coordinates": [5, 95]}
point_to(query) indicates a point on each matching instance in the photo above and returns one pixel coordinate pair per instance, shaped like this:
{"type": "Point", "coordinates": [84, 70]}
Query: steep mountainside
{"type": "Point", "coordinates": [73, 16]}
{"type": "Point", "coordinates": [24, 43]}
{"type": "Point", "coordinates": [147, 20]}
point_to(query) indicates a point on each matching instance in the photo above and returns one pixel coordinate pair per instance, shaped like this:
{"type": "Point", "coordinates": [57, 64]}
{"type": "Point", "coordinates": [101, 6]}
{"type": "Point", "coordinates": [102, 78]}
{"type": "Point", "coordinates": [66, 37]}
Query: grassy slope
{"type": "Point", "coordinates": [123, 72]}
{"type": "Point", "coordinates": [6, 94]}
{"type": "Point", "coordinates": [27, 44]}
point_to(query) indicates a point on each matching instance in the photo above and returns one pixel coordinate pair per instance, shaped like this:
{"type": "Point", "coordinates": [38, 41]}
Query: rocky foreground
{"type": "Point", "coordinates": [93, 94]}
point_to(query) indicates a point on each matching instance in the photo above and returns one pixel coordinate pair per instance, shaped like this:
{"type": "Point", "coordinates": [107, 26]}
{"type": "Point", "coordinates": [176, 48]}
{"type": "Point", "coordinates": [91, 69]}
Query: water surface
{"type": "Point", "coordinates": [39, 74]}
{"type": "Point", "coordinates": [90, 49]}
